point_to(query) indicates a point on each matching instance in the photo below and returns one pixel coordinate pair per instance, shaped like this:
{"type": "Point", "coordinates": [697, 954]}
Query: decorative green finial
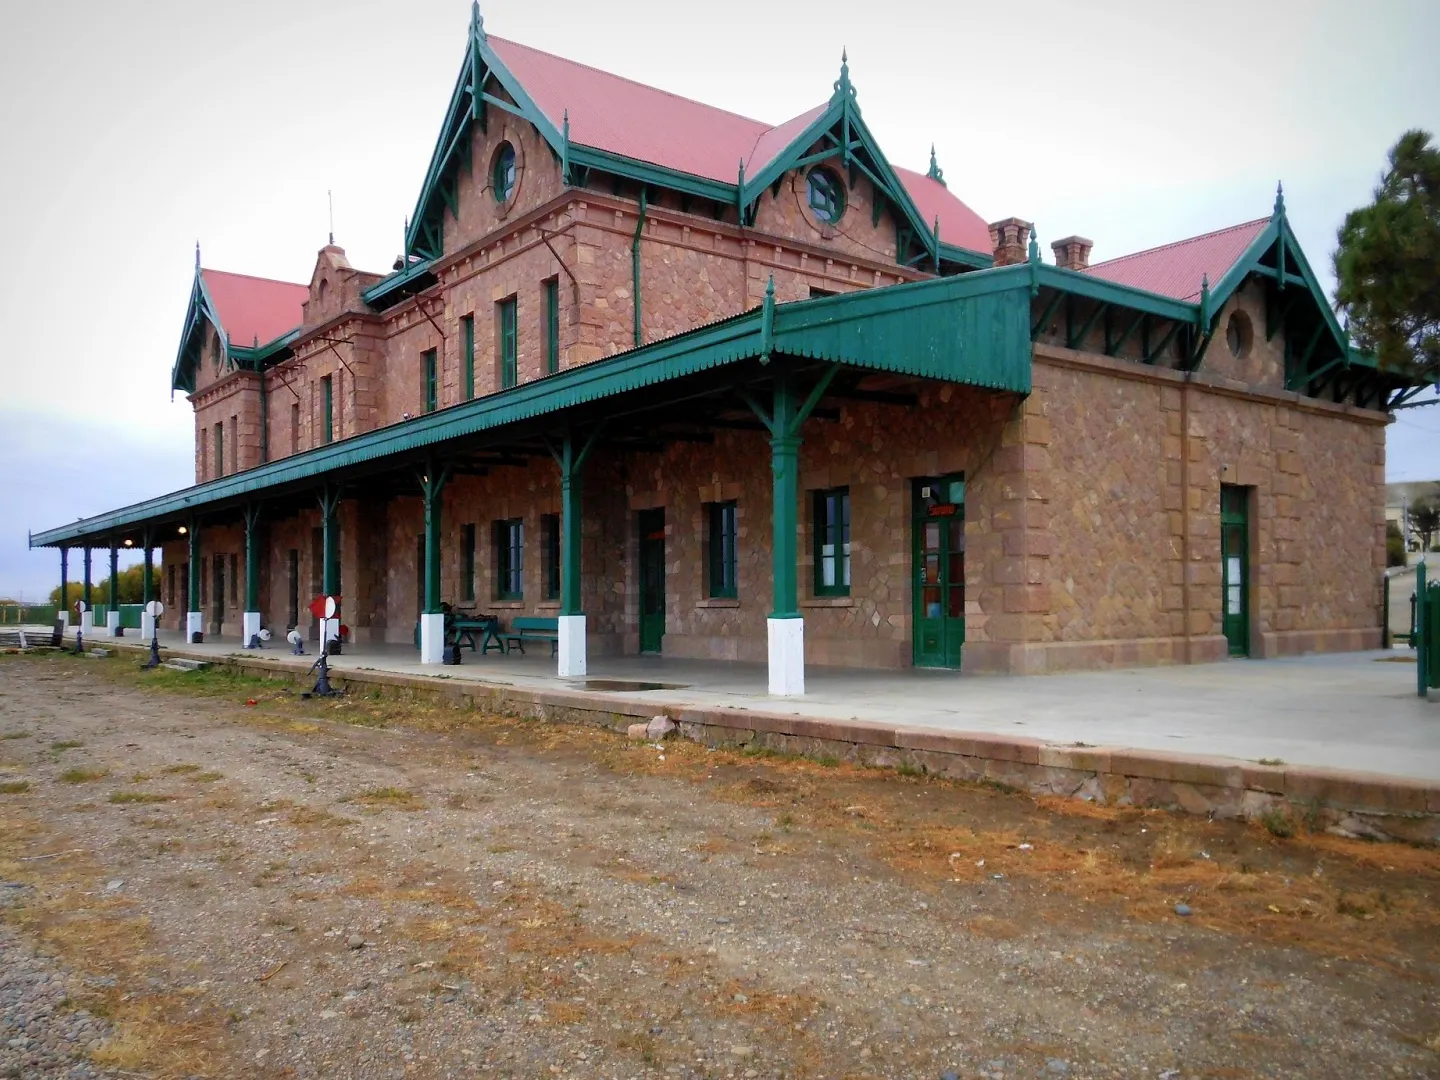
{"type": "Point", "coordinates": [843, 89]}
{"type": "Point", "coordinates": [197, 254]}
{"type": "Point", "coordinates": [1279, 199]}
{"type": "Point", "coordinates": [477, 21]}
{"type": "Point", "coordinates": [1034, 252]}
{"type": "Point", "coordinates": [935, 172]}
{"type": "Point", "coordinates": [1204, 301]}
{"type": "Point", "coordinates": [770, 290]}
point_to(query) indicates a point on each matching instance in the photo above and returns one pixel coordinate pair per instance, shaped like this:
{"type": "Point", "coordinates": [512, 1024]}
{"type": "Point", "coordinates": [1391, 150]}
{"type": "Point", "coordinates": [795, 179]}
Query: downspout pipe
{"type": "Point", "coordinates": [635, 262]}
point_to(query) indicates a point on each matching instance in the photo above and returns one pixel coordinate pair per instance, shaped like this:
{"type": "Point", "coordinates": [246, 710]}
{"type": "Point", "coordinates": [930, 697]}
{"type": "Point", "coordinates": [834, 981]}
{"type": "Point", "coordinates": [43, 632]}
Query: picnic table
{"type": "Point", "coordinates": [462, 627]}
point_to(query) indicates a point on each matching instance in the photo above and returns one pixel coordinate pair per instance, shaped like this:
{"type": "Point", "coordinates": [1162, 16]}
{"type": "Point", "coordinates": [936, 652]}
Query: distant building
{"type": "Point", "coordinates": [693, 384]}
{"type": "Point", "coordinates": [1399, 498]}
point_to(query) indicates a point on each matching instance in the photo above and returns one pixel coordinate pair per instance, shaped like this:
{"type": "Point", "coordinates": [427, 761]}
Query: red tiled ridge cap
{"type": "Point", "coordinates": [254, 309]}
{"type": "Point", "coordinates": [1178, 268]}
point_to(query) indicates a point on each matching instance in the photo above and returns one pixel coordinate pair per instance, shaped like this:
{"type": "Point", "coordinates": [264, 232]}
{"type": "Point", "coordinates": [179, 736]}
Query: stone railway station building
{"type": "Point", "coordinates": [689, 383]}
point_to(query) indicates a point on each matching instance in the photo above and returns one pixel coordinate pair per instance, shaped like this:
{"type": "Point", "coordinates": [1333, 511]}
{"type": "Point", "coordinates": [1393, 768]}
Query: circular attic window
{"type": "Point", "coordinates": [1239, 335]}
{"type": "Point", "coordinates": [502, 173]}
{"type": "Point", "coordinates": [825, 193]}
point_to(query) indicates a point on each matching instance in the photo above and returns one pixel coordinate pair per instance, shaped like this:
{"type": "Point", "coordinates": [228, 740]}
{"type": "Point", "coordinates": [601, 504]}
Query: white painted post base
{"type": "Point", "coordinates": [87, 623]}
{"type": "Point", "coordinates": [787, 656]}
{"type": "Point", "coordinates": [112, 623]}
{"type": "Point", "coordinates": [572, 646]}
{"type": "Point", "coordinates": [249, 628]}
{"type": "Point", "coordinates": [147, 626]}
{"type": "Point", "coordinates": [432, 638]}
{"type": "Point", "coordinates": [64, 617]}
{"type": "Point", "coordinates": [194, 624]}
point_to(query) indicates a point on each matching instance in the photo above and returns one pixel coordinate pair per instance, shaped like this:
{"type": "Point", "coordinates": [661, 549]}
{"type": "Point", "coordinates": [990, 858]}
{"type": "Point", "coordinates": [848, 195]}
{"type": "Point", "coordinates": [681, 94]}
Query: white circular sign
{"type": "Point", "coordinates": [293, 637]}
{"type": "Point", "coordinates": [331, 607]}
{"type": "Point", "coordinates": [81, 606]}
{"type": "Point", "coordinates": [154, 609]}
{"type": "Point", "coordinates": [264, 635]}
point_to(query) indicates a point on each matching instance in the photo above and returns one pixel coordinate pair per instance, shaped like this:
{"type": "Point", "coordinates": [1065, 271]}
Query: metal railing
{"type": "Point", "coordinates": [27, 614]}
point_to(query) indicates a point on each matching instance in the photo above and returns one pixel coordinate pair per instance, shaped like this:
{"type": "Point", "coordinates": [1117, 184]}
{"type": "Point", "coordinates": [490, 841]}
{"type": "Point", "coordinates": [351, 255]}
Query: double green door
{"type": "Point", "coordinates": [652, 579]}
{"type": "Point", "coordinates": [938, 543]}
{"type": "Point", "coordinates": [1235, 567]}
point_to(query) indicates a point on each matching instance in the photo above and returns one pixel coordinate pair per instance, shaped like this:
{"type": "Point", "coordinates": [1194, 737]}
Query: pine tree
{"type": "Point", "coordinates": [1388, 263]}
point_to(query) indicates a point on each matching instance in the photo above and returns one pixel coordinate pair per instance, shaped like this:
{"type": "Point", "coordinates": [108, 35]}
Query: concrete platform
{"type": "Point", "coordinates": [1348, 711]}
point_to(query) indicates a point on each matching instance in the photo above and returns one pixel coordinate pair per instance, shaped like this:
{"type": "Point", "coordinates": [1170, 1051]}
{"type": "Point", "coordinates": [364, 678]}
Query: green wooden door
{"type": "Point", "coordinates": [938, 543]}
{"type": "Point", "coordinates": [1235, 567]}
{"type": "Point", "coordinates": [652, 579]}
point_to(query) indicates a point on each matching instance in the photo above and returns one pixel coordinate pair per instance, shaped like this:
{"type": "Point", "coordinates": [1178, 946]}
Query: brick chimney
{"type": "Point", "coordinates": [1011, 239]}
{"type": "Point", "coordinates": [1072, 253]}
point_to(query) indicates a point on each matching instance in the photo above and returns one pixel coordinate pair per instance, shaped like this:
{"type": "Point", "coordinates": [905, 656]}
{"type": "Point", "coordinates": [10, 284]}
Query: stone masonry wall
{"type": "Point", "coordinates": [1136, 458]}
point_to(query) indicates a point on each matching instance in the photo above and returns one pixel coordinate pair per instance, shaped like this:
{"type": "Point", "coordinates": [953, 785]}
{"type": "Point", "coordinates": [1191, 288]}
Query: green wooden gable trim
{"type": "Point", "coordinates": [254, 357]}
{"type": "Point", "coordinates": [972, 329]}
{"type": "Point", "coordinates": [201, 310]}
{"type": "Point", "coordinates": [845, 135]}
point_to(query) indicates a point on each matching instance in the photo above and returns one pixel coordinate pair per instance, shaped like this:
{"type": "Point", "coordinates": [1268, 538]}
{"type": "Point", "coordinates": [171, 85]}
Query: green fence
{"type": "Point", "coordinates": [27, 614]}
{"type": "Point", "coordinates": [1426, 634]}
{"type": "Point", "coordinates": [129, 615]}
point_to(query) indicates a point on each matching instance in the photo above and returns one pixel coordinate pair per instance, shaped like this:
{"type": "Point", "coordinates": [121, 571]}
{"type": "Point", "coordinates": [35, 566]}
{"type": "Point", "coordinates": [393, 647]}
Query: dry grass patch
{"type": "Point", "coordinates": [122, 798]}
{"type": "Point", "coordinates": [391, 797]}
{"type": "Point", "coordinates": [180, 770]}
{"type": "Point", "coordinates": [14, 787]}
{"type": "Point", "coordinates": [83, 776]}
{"type": "Point", "coordinates": [7, 735]}
{"type": "Point", "coordinates": [68, 744]}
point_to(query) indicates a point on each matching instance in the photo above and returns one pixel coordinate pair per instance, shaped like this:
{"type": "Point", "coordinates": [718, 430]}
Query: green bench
{"type": "Point", "coordinates": [532, 628]}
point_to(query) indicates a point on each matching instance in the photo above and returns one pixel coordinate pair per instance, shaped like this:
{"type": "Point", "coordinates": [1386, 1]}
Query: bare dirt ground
{"type": "Point", "coordinates": [195, 886]}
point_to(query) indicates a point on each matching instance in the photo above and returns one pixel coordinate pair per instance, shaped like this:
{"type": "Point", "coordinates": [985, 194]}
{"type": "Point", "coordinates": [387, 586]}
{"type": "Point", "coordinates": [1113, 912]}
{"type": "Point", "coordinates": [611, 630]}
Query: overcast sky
{"type": "Point", "coordinates": [133, 129]}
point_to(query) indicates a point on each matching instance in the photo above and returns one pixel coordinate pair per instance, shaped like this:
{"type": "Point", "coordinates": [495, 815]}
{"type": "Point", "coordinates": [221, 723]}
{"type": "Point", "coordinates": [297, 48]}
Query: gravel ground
{"type": "Point", "coordinates": [43, 1034]}
{"type": "Point", "coordinates": [262, 892]}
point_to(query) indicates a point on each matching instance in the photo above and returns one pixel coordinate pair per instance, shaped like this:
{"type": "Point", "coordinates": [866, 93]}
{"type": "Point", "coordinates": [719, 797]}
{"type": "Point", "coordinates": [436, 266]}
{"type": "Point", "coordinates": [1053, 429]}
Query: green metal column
{"type": "Point", "coordinates": [64, 579]}
{"type": "Point", "coordinates": [570, 600]}
{"type": "Point", "coordinates": [432, 483]}
{"type": "Point", "coordinates": [330, 537]}
{"type": "Point", "coordinates": [785, 470]}
{"type": "Point", "coordinates": [252, 557]}
{"type": "Point", "coordinates": [194, 538]}
{"type": "Point", "coordinates": [571, 461]}
{"type": "Point", "coordinates": [85, 585]}
{"type": "Point", "coordinates": [147, 577]}
{"type": "Point", "coordinates": [114, 579]}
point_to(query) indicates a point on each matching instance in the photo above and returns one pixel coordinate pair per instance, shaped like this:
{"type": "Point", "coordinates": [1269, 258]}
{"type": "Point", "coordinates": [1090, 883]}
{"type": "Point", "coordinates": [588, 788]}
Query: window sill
{"type": "Point", "coordinates": [507, 605]}
{"type": "Point", "coordinates": [828, 601]}
{"type": "Point", "coordinates": [548, 605]}
{"type": "Point", "coordinates": [718, 602]}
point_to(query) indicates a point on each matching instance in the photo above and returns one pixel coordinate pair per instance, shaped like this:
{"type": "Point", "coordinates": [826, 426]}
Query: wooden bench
{"type": "Point", "coordinates": [532, 628]}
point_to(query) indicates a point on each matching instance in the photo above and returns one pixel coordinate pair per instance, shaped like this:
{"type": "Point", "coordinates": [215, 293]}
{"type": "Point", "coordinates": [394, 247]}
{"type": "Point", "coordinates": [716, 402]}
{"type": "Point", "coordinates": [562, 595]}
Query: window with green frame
{"type": "Point", "coordinates": [721, 553]}
{"type": "Point", "coordinates": [509, 559]}
{"type": "Point", "coordinates": [220, 448]}
{"type": "Point", "coordinates": [327, 389]}
{"type": "Point", "coordinates": [432, 389]}
{"type": "Point", "coordinates": [832, 542]}
{"type": "Point", "coordinates": [467, 562]}
{"type": "Point", "coordinates": [467, 352]}
{"type": "Point", "coordinates": [505, 342]}
{"type": "Point", "coordinates": [550, 555]}
{"type": "Point", "coordinates": [551, 289]}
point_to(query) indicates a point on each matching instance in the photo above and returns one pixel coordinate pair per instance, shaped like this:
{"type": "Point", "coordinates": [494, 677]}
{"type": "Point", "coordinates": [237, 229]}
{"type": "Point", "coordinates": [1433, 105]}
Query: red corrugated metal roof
{"type": "Point", "coordinates": [254, 309]}
{"type": "Point", "coordinates": [959, 225]}
{"type": "Point", "coordinates": [623, 117]}
{"type": "Point", "coordinates": [1177, 270]}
